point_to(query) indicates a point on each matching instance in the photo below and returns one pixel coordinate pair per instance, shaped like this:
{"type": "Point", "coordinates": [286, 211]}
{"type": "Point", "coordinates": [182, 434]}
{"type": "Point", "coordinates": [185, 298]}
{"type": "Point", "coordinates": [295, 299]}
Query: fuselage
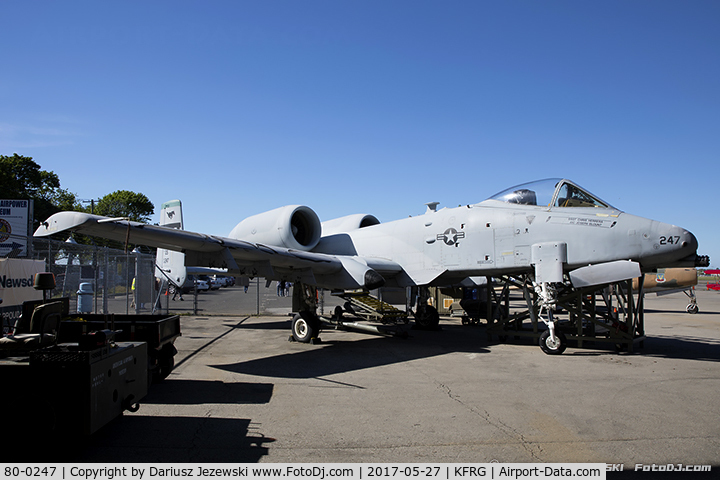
{"type": "Point", "coordinates": [496, 237]}
{"type": "Point", "coordinates": [513, 231]}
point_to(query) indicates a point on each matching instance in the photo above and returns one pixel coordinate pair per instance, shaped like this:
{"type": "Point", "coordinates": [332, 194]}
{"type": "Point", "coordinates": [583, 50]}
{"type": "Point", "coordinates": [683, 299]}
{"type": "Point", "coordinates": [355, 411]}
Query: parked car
{"type": "Point", "coordinates": [202, 285]}
{"type": "Point", "coordinates": [213, 284]}
{"type": "Point", "coordinates": [189, 285]}
{"type": "Point", "coordinates": [225, 281]}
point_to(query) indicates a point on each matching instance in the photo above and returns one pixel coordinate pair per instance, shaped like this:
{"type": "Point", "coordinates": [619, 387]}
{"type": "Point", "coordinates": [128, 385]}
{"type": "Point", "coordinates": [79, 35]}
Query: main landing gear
{"type": "Point", "coordinates": [306, 327]}
{"type": "Point", "coordinates": [426, 316]}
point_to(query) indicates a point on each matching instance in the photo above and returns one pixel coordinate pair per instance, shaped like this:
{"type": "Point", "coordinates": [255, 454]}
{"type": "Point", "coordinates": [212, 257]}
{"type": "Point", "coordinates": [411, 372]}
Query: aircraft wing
{"type": "Point", "coordinates": [238, 256]}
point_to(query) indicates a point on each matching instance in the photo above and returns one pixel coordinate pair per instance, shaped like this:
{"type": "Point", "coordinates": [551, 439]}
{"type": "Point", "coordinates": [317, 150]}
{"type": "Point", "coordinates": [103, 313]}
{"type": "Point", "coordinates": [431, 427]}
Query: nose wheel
{"type": "Point", "coordinates": [553, 344]}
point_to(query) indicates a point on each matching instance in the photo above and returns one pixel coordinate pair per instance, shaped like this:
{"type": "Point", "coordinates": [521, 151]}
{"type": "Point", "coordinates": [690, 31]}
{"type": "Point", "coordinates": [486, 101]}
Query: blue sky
{"type": "Point", "coordinates": [238, 107]}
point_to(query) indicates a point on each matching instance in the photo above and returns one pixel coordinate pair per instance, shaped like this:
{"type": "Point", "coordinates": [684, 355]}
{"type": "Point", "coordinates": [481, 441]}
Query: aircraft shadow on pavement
{"type": "Point", "coordinates": [141, 439]}
{"type": "Point", "coordinates": [340, 356]}
{"type": "Point", "coordinates": [280, 324]}
{"type": "Point", "coordinates": [682, 313]}
{"type": "Point", "coordinates": [687, 348]}
{"type": "Point", "coordinates": [198, 392]}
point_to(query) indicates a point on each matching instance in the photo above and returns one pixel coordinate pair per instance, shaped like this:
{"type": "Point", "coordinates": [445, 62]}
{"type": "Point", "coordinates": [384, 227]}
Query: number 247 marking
{"type": "Point", "coordinates": [669, 240]}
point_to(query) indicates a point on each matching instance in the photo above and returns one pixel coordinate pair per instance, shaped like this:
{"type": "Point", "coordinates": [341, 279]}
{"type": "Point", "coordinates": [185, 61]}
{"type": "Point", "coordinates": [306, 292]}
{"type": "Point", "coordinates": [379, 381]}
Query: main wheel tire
{"type": "Point", "coordinates": [166, 361]}
{"type": "Point", "coordinates": [427, 317]}
{"type": "Point", "coordinates": [692, 308]}
{"type": "Point", "coordinates": [551, 347]}
{"type": "Point", "coordinates": [305, 327]}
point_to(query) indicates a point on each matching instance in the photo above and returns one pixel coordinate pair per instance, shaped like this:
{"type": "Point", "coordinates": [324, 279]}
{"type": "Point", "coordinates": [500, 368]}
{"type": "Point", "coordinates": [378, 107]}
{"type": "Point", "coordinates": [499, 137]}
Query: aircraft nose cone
{"type": "Point", "coordinates": [677, 239]}
{"type": "Point", "coordinates": [690, 247]}
{"type": "Point", "coordinates": [673, 246]}
{"type": "Point", "coordinates": [689, 241]}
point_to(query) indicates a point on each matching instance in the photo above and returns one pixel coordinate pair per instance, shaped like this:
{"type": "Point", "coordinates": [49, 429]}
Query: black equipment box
{"type": "Point", "coordinates": [64, 388]}
{"type": "Point", "coordinates": [158, 331]}
{"type": "Point", "coordinates": [88, 388]}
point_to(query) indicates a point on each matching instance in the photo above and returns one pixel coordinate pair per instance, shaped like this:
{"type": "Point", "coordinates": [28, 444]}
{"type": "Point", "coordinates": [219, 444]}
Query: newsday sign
{"type": "Point", "coordinates": [14, 220]}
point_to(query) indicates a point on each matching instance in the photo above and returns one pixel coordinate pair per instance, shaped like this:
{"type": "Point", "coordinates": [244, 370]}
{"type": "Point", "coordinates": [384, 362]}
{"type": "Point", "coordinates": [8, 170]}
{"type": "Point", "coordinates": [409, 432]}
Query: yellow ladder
{"type": "Point", "coordinates": [364, 305]}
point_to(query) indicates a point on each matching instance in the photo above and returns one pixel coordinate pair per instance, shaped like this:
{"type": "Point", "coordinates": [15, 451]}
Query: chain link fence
{"type": "Point", "coordinates": [99, 279]}
{"type": "Point", "coordinates": [105, 280]}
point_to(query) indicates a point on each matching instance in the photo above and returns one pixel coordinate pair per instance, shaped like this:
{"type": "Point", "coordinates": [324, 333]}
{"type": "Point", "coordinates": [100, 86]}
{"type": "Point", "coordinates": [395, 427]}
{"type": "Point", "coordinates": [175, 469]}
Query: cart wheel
{"type": "Point", "coordinates": [130, 404]}
{"type": "Point", "coordinates": [166, 360]}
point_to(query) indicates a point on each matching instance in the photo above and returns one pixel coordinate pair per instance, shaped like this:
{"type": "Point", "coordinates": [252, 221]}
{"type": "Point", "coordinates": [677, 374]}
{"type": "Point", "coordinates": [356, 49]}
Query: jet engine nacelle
{"type": "Point", "coordinates": [294, 226]}
{"type": "Point", "coordinates": [348, 223]}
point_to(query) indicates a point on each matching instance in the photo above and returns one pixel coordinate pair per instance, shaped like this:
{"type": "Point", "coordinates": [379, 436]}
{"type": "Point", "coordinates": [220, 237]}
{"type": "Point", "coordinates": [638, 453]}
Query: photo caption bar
{"type": "Point", "coordinates": [352, 471]}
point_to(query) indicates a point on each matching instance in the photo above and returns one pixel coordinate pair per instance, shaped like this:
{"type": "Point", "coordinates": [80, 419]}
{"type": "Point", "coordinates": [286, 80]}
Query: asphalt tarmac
{"type": "Point", "coordinates": [241, 392]}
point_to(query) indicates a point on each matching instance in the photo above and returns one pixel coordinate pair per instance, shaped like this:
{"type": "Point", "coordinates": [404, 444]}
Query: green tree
{"type": "Point", "coordinates": [22, 178]}
{"type": "Point", "coordinates": [123, 203]}
{"type": "Point", "coordinates": [119, 204]}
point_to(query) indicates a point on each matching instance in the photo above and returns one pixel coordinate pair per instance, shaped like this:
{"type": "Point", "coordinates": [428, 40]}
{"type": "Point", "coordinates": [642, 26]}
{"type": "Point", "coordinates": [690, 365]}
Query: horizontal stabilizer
{"type": "Point", "coordinates": [602, 273]}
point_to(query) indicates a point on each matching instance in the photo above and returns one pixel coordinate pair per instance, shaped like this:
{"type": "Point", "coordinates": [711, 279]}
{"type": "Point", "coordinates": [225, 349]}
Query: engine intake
{"type": "Point", "coordinates": [348, 224]}
{"type": "Point", "coordinates": [294, 226]}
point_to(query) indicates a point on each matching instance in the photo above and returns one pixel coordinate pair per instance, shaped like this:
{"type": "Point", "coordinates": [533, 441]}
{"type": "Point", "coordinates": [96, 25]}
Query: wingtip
{"type": "Point", "coordinates": [62, 221]}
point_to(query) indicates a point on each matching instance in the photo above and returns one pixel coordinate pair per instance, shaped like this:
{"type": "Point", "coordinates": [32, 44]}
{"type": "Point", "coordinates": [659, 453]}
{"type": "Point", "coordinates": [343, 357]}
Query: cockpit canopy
{"type": "Point", "coordinates": [551, 192]}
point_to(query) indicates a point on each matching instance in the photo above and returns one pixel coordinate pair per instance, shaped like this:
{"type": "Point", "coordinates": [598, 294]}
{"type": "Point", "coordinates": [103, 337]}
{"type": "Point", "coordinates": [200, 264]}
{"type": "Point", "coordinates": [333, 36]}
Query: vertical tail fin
{"type": "Point", "coordinates": [171, 214]}
{"type": "Point", "coordinates": [171, 263]}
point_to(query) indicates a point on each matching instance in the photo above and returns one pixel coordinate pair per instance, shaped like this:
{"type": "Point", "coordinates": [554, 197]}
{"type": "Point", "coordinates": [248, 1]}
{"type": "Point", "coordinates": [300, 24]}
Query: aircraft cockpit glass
{"type": "Point", "coordinates": [570, 195]}
{"type": "Point", "coordinates": [551, 192]}
{"type": "Point", "coordinates": [533, 193]}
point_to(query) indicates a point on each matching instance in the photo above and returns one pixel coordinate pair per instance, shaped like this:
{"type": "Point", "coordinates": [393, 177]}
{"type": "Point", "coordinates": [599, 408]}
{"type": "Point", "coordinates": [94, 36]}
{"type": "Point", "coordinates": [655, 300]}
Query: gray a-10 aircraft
{"type": "Point", "coordinates": [547, 229]}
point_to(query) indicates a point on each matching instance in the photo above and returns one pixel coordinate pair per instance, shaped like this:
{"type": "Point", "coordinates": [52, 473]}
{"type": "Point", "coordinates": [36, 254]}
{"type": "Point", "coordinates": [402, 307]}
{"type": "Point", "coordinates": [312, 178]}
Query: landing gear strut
{"type": "Point", "coordinates": [692, 306]}
{"type": "Point", "coordinates": [551, 342]}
